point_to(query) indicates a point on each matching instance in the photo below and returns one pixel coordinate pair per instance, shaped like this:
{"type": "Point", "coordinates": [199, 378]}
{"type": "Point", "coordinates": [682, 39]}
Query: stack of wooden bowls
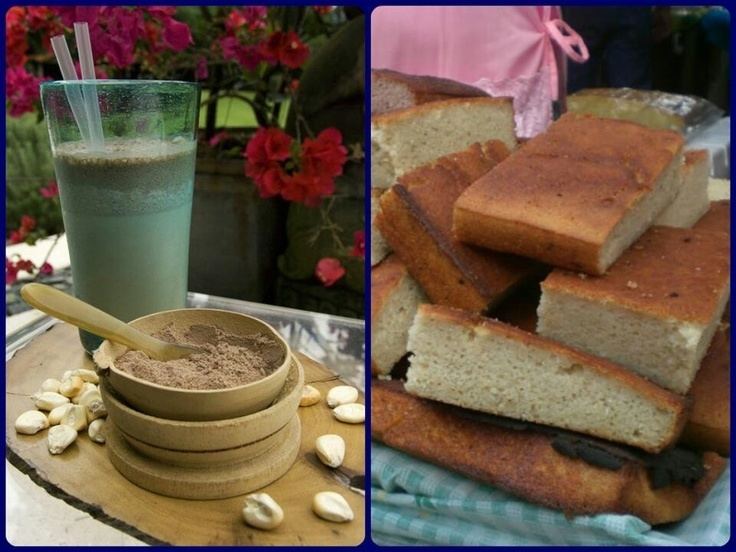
{"type": "Point", "coordinates": [204, 444]}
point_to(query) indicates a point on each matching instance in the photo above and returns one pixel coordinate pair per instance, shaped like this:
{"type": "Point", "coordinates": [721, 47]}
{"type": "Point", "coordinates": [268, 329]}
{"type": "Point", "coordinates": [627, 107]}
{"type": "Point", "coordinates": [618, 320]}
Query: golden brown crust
{"type": "Point", "coordinates": [709, 424]}
{"type": "Point", "coordinates": [523, 462]}
{"type": "Point", "coordinates": [562, 194]}
{"type": "Point", "coordinates": [416, 221]}
{"type": "Point", "coordinates": [604, 368]}
{"type": "Point", "coordinates": [669, 273]}
{"type": "Point", "coordinates": [425, 88]}
{"type": "Point", "coordinates": [391, 117]}
{"type": "Point", "coordinates": [717, 219]}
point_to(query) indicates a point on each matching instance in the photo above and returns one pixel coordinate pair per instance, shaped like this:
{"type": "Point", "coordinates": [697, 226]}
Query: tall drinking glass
{"type": "Point", "coordinates": [127, 205]}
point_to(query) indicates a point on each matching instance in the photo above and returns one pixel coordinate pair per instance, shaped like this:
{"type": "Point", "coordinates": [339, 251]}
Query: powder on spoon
{"type": "Point", "coordinates": [227, 360]}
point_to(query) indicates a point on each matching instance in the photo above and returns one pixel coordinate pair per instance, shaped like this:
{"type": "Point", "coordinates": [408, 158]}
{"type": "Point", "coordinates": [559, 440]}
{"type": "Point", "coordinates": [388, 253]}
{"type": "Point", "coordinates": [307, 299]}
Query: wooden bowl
{"type": "Point", "coordinates": [222, 481]}
{"type": "Point", "coordinates": [209, 404]}
{"type": "Point", "coordinates": [210, 435]}
{"type": "Point", "coordinates": [214, 458]}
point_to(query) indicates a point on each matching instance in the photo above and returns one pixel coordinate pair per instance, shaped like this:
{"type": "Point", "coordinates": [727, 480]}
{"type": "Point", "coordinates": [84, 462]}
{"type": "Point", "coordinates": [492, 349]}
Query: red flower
{"type": "Point", "coordinates": [286, 48]}
{"type": "Point", "coordinates": [38, 17]}
{"type": "Point", "coordinates": [322, 10]}
{"type": "Point", "coordinates": [307, 188]}
{"type": "Point", "coordinates": [11, 272]}
{"type": "Point", "coordinates": [27, 222]}
{"type": "Point", "coordinates": [325, 155]}
{"type": "Point", "coordinates": [235, 19]}
{"type": "Point", "coordinates": [329, 270]}
{"type": "Point", "coordinates": [358, 244]}
{"type": "Point", "coordinates": [294, 85]}
{"type": "Point", "coordinates": [25, 265]}
{"type": "Point", "coordinates": [18, 236]}
{"type": "Point", "coordinates": [272, 182]}
{"type": "Point", "coordinates": [46, 269]}
{"type": "Point", "coordinates": [50, 190]}
{"type": "Point", "coordinates": [263, 152]}
{"type": "Point", "coordinates": [16, 36]}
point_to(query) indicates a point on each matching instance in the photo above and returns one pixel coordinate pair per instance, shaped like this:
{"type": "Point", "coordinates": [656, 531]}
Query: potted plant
{"type": "Point", "coordinates": [251, 62]}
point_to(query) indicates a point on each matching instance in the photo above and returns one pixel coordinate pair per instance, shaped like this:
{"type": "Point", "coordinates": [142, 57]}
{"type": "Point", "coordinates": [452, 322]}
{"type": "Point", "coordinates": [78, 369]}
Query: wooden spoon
{"type": "Point", "coordinates": [83, 315]}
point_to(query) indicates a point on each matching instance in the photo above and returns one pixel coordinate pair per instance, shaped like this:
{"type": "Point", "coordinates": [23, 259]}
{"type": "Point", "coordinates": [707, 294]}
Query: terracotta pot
{"type": "Point", "coordinates": [236, 236]}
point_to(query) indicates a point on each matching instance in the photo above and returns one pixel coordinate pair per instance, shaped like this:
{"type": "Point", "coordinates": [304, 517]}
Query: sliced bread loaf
{"type": "Point", "coordinates": [526, 462]}
{"type": "Point", "coordinates": [719, 189]}
{"type": "Point", "coordinates": [395, 297]}
{"type": "Point", "coordinates": [379, 247]}
{"type": "Point", "coordinates": [392, 90]}
{"type": "Point", "coordinates": [654, 311]}
{"type": "Point", "coordinates": [576, 196]}
{"type": "Point", "coordinates": [691, 201]}
{"type": "Point", "coordinates": [481, 364]}
{"type": "Point", "coordinates": [409, 138]}
{"type": "Point", "coordinates": [709, 424]}
{"type": "Point", "coordinates": [416, 219]}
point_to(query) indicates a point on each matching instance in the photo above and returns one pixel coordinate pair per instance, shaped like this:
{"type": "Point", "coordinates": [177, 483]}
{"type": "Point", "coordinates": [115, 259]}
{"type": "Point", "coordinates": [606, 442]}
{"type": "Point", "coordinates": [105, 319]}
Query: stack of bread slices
{"type": "Point", "coordinates": [560, 303]}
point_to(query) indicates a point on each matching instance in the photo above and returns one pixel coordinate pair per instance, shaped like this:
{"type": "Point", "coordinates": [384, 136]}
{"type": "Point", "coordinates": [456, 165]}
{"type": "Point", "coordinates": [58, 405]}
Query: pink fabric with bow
{"type": "Point", "coordinates": [506, 50]}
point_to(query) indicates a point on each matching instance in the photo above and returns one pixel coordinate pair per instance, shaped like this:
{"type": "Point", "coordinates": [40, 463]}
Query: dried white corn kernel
{"type": "Point", "coordinates": [310, 396]}
{"type": "Point", "coordinates": [342, 394]}
{"type": "Point", "coordinates": [96, 431]}
{"type": "Point", "coordinates": [50, 384]}
{"type": "Point", "coordinates": [87, 396]}
{"type": "Point", "coordinates": [330, 450]}
{"type": "Point", "coordinates": [332, 507]}
{"type": "Point", "coordinates": [75, 417]}
{"type": "Point", "coordinates": [57, 413]}
{"type": "Point", "coordinates": [86, 388]}
{"type": "Point", "coordinates": [60, 437]}
{"type": "Point", "coordinates": [87, 375]}
{"type": "Point", "coordinates": [96, 409]}
{"type": "Point", "coordinates": [71, 387]}
{"type": "Point", "coordinates": [66, 375]}
{"type": "Point", "coordinates": [31, 422]}
{"type": "Point", "coordinates": [262, 511]}
{"type": "Point", "coordinates": [353, 413]}
{"type": "Point", "coordinates": [49, 400]}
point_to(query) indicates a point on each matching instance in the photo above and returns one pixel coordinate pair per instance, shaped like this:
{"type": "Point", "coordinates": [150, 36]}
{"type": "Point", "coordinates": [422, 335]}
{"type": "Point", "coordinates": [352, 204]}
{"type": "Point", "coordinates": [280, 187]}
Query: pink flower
{"type": "Point", "coordinates": [200, 71]}
{"type": "Point", "coordinates": [46, 269]}
{"type": "Point", "coordinates": [27, 222]}
{"type": "Point", "coordinates": [249, 57]}
{"type": "Point", "coordinates": [50, 190]}
{"type": "Point", "coordinates": [329, 270]}
{"type": "Point", "coordinates": [22, 90]}
{"type": "Point", "coordinates": [177, 35]}
{"type": "Point", "coordinates": [217, 138]}
{"type": "Point", "coordinates": [255, 17]}
{"type": "Point", "coordinates": [230, 47]}
{"type": "Point", "coordinates": [18, 236]}
{"type": "Point", "coordinates": [358, 244]}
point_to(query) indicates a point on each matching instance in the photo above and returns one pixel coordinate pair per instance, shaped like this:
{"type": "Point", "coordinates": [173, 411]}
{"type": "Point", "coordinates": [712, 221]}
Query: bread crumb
{"type": "Point", "coordinates": [631, 284]}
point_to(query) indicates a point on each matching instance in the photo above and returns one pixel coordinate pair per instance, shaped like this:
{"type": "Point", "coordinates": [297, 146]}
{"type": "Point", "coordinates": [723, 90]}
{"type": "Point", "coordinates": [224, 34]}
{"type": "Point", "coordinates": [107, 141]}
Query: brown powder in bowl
{"type": "Point", "coordinates": [227, 360]}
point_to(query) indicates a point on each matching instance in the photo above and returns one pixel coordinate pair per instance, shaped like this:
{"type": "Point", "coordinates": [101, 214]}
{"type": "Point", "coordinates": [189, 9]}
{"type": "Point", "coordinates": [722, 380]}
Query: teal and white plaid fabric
{"type": "Point", "coordinates": [414, 502]}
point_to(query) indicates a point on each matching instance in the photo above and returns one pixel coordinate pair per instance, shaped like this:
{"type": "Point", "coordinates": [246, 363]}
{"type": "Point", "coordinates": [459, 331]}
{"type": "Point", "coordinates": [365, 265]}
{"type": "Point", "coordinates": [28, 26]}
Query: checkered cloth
{"type": "Point", "coordinates": [414, 502]}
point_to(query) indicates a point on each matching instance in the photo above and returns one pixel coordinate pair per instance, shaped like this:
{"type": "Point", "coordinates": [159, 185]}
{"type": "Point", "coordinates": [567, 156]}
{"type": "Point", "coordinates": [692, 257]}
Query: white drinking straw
{"type": "Point", "coordinates": [92, 106]}
{"type": "Point", "coordinates": [73, 93]}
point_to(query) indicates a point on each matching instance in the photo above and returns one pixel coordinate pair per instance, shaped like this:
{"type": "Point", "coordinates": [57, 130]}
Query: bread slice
{"type": "Point", "coordinates": [525, 463]}
{"type": "Point", "coordinates": [576, 196]}
{"type": "Point", "coordinates": [655, 310]}
{"type": "Point", "coordinates": [409, 138]}
{"type": "Point", "coordinates": [719, 189]}
{"type": "Point", "coordinates": [485, 365]}
{"type": "Point", "coordinates": [379, 247]}
{"type": "Point", "coordinates": [416, 219]}
{"type": "Point", "coordinates": [716, 219]}
{"type": "Point", "coordinates": [709, 424]}
{"type": "Point", "coordinates": [691, 201]}
{"type": "Point", "coordinates": [392, 90]}
{"type": "Point", "coordinates": [395, 297]}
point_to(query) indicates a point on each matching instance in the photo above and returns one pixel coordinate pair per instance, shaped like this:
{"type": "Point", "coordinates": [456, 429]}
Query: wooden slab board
{"type": "Point", "coordinates": [84, 477]}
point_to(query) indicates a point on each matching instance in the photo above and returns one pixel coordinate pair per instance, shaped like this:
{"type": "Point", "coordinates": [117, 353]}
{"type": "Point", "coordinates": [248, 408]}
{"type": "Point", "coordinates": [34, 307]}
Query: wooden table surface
{"type": "Point", "coordinates": [84, 477]}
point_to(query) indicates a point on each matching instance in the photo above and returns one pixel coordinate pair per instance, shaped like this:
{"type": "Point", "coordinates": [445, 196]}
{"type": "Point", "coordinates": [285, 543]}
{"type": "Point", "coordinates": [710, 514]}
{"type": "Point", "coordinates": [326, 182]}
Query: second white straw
{"type": "Point", "coordinates": [91, 102]}
{"type": "Point", "coordinates": [73, 93]}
